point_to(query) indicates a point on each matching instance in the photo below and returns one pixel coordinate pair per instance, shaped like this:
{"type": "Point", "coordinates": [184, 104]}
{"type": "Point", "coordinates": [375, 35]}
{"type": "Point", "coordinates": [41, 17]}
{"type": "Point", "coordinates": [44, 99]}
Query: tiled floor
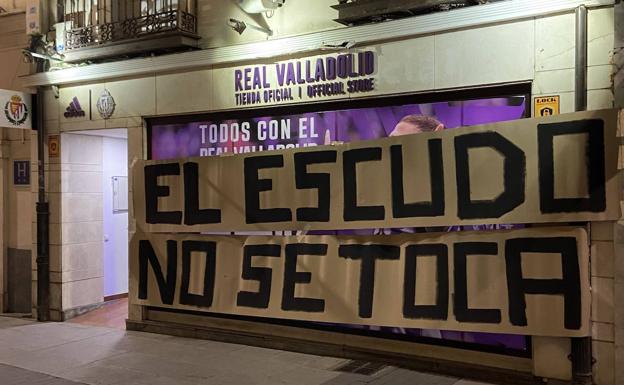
{"type": "Point", "coordinates": [102, 355]}
{"type": "Point", "coordinates": [113, 315]}
{"type": "Point", "coordinates": [13, 375]}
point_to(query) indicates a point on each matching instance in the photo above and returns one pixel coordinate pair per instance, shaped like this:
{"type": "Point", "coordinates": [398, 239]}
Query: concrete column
{"type": "Point", "coordinates": [618, 57]}
{"type": "Point", "coordinates": [618, 88]}
{"type": "Point", "coordinates": [136, 151]}
{"type": "Point", "coordinates": [18, 227]}
{"type": "Point", "coordinates": [4, 155]}
{"type": "Point", "coordinates": [76, 231]}
{"type": "Point", "coordinates": [618, 266]}
{"type": "Point", "coordinates": [602, 309]}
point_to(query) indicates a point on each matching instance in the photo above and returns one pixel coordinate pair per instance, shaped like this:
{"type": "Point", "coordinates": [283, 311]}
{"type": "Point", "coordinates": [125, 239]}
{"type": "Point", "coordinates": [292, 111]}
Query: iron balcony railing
{"type": "Point", "coordinates": [90, 23]}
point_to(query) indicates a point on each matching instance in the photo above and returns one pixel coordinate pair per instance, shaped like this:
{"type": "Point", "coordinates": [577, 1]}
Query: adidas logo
{"type": "Point", "coordinates": [74, 110]}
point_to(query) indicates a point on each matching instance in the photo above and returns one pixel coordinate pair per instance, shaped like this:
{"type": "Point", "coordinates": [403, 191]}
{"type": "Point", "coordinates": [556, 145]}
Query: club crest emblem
{"type": "Point", "coordinates": [106, 105]}
{"type": "Point", "coordinates": [16, 110]}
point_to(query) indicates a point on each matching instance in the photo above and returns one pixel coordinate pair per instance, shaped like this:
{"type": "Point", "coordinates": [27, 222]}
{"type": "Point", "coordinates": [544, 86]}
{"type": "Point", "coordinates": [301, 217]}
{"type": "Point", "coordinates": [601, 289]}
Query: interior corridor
{"type": "Point", "coordinates": [112, 314]}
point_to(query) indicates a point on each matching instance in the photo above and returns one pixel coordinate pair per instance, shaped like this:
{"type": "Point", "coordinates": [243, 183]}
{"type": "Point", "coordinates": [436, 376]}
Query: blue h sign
{"type": "Point", "coordinates": [21, 172]}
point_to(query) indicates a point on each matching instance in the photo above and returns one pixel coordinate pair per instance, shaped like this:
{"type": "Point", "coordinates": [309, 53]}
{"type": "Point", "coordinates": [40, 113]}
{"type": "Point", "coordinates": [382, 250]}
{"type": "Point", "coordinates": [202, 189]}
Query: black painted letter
{"type": "Point", "coordinates": [209, 249]}
{"type": "Point", "coordinates": [167, 286]}
{"type": "Point", "coordinates": [292, 277]}
{"type": "Point", "coordinates": [193, 215]}
{"type": "Point", "coordinates": [400, 209]}
{"type": "Point", "coordinates": [254, 186]}
{"type": "Point", "coordinates": [595, 162]}
{"type": "Point", "coordinates": [319, 181]}
{"type": "Point", "coordinates": [439, 311]}
{"type": "Point", "coordinates": [368, 254]}
{"type": "Point", "coordinates": [569, 285]}
{"type": "Point", "coordinates": [460, 303]}
{"type": "Point", "coordinates": [263, 275]}
{"type": "Point", "coordinates": [513, 176]}
{"type": "Point", "coordinates": [153, 190]}
{"type": "Point", "coordinates": [353, 212]}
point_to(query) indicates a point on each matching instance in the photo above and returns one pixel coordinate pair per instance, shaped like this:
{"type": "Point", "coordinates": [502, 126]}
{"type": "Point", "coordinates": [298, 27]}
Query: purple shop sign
{"type": "Point", "coordinates": [346, 66]}
{"type": "Point", "coordinates": [328, 76]}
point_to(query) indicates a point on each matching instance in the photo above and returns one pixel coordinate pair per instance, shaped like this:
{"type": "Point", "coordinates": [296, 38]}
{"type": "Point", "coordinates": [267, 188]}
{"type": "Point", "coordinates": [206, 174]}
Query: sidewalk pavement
{"type": "Point", "coordinates": [67, 354]}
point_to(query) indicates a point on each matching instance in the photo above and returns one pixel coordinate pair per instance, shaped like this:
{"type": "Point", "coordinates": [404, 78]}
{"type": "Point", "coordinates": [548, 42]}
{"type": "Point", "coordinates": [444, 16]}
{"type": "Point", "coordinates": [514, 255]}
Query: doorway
{"type": "Point", "coordinates": [110, 146]}
{"type": "Point", "coordinates": [115, 215]}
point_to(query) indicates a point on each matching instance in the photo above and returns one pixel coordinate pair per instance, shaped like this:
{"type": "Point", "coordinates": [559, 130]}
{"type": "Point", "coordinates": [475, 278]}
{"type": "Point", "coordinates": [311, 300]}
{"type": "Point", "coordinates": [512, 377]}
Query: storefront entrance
{"type": "Point", "coordinates": [107, 152]}
{"type": "Point", "coordinates": [295, 127]}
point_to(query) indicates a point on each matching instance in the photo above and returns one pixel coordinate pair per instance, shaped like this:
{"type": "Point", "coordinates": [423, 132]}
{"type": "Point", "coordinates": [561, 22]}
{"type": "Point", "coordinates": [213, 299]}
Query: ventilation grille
{"type": "Point", "coordinates": [360, 367]}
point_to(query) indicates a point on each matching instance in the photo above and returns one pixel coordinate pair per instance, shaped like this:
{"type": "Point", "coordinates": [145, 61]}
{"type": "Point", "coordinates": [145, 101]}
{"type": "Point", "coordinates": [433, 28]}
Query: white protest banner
{"type": "Point", "coordinates": [556, 169]}
{"type": "Point", "coordinates": [522, 281]}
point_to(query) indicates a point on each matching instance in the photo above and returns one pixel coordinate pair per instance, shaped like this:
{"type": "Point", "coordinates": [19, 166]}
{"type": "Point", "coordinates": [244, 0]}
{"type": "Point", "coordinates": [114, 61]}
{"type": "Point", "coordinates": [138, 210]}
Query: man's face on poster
{"type": "Point", "coordinates": [408, 128]}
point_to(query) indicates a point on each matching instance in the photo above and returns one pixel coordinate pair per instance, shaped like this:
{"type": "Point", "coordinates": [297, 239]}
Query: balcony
{"type": "Point", "coordinates": [357, 12]}
{"type": "Point", "coordinates": [105, 29]}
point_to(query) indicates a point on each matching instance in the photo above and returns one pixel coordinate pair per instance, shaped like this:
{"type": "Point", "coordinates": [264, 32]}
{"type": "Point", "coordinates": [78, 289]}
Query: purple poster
{"type": "Point", "coordinates": [210, 138]}
{"type": "Point", "coordinates": [240, 136]}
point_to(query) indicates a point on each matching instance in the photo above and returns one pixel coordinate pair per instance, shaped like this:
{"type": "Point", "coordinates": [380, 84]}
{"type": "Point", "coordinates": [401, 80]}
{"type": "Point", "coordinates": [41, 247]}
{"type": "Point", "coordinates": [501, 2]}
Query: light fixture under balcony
{"type": "Point", "coordinates": [259, 6]}
{"type": "Point", "coordinates": [240, 27]}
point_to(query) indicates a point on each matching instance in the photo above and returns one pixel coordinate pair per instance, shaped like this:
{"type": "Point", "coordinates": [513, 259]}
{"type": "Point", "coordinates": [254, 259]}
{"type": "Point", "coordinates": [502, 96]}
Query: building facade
{"type": "Point", "coordinates": [16, 149]}
{"type": "Point", "coordinates": [103, 82]}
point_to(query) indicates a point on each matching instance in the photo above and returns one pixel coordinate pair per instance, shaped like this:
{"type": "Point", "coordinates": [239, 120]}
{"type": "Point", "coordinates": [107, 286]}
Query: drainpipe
{"type": "Point", "coordinates": [580, 65]}
{"type": "Point", "coordinates": [581, 349]}
{"type": "Point", "coordinates": [43, 212]}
